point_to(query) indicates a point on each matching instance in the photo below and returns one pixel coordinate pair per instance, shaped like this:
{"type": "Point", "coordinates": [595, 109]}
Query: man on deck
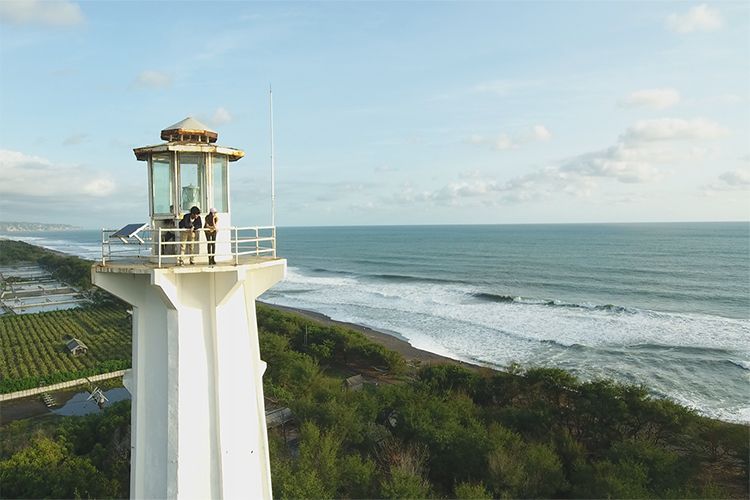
{"type": "Point", "coordinates": [190, 224]}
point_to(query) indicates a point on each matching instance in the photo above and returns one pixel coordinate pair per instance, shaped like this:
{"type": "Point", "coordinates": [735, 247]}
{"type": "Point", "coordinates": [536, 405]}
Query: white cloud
{"type": "Point", "coordinates": [731, 180]}
{"type": "Point", "coordinates": [221, 116]}
{"type": "Point", "coordinates": [501, 143]}
{"type": "Point", "coordinates": [541, 133]}
{"type": "Point", "coordinates": [504, 142]}
{"type": "Point", "coordinates": [668, 129]}
{"type": "Point", "coordinates": [652, 98]}
{"type": "Point", "coordinates": [40, 12]}
{"type": "Point", "coordinates": [486, 191]}
{"type": "Point", "coordinates": [620, 162]}
{"type": "Point", "coordinates": [644, 147]}
{"type": "Point", "coordinates": [26, 176]}
{"type": "Point", "coordinates": [699, 18]}
{"type": "Point", "coordinates": [152, 79]}
{"type": "Point", "coordinates": [99, 187]}
{"type": "Point", "coordinates": [364, 205]}
{"type": "Point", "coordinates": [739, 177]}
{"type": "Point", "coordinates": [408, 195]}
{"type": "Point", "coordinates": [644, 153]}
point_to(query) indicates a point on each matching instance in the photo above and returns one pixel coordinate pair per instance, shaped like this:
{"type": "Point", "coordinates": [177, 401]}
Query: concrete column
{"type": "Point", "coordinates": [198, 418]}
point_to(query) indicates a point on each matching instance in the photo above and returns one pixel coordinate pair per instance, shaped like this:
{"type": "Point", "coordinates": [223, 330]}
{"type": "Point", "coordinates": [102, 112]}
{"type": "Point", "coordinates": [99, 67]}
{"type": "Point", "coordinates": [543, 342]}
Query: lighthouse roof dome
{"type": "Point", "coordinates": [190, 130]}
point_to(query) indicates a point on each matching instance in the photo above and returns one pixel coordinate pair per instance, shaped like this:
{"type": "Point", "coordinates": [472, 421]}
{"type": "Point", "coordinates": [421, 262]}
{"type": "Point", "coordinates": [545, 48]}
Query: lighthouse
{"type": "Point", "coordinates": [198, 427]}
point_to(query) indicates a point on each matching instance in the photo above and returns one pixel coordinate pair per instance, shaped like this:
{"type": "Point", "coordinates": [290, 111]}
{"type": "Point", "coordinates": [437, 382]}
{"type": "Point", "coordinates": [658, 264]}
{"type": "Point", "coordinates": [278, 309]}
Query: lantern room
{"type": "Point", "coordinates": [188, 170]}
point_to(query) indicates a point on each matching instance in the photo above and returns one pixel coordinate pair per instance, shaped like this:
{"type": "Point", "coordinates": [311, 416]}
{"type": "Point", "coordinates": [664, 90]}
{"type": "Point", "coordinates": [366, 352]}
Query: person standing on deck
{"type": "Point", "coordinates": [190, 223]}
{"type": "Point", "coordinates": [212, 219]}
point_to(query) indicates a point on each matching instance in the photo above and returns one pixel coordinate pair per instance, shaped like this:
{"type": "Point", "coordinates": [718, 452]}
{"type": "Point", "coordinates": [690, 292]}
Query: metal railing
{"type": "Point", "coordinates": [167, 247]}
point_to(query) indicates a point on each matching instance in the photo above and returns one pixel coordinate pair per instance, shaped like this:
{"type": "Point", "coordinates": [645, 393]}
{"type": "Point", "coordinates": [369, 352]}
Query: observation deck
{"type": "Point", "coordinates": [162, 248]}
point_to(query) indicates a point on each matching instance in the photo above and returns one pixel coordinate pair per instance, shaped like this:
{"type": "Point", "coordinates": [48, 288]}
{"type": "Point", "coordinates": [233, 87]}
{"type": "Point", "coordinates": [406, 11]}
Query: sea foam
{"type": "Point", "coordinates": [667, 352]}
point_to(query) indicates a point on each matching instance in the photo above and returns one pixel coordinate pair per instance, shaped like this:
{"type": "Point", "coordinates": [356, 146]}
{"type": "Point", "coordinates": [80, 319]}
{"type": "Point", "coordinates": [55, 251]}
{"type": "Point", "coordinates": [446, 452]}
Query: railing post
{"type": "Point", "coordinates": [236, 247]}
{"type": "Point", "coordinates": [103, 258]}
{"type": "Point", "coordinates": [257, 243]}
{"type": "Point", "coordinates": [273, 241]}
{"type": "Point", "coordinates": [159, 244]}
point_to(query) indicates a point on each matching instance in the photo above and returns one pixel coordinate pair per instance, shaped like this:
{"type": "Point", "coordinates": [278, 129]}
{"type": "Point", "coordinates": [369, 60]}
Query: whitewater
{"type": "Point", "coordinates": [666, 306]}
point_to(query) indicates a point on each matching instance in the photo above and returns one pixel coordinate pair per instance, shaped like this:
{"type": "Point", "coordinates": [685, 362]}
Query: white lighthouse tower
{"type": "Point", "coordinates": [198, 420]}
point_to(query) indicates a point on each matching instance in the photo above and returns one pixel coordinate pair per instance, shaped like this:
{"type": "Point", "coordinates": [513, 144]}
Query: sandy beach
{"type": "Point", "coordinates": [388, 341]}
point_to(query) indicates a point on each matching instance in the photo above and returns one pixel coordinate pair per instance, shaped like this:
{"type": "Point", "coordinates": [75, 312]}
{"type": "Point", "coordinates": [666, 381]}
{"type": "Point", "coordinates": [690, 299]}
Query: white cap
{"type": "Point", "coordinates": [213, 210]}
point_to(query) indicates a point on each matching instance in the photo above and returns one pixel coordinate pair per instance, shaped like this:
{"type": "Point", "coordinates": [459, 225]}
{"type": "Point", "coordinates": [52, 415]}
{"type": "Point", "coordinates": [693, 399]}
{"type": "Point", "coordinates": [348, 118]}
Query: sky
{"type": "Point", "coordinates": [384, 112]}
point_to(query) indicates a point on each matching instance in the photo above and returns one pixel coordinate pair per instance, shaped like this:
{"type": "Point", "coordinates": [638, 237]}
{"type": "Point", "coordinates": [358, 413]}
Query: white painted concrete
{"type": "Point", "coordinates": [198, 419]}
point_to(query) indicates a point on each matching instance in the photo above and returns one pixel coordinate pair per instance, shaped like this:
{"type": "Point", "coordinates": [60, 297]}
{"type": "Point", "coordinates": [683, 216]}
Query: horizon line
{"type": "Point", "coordinates": [733, 221]}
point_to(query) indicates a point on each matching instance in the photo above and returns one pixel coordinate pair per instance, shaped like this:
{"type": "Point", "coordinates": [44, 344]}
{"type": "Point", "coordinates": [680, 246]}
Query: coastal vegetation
{"type": "Point", "coordinates": [72, 270]}
{"type": "Point", "coordinates": [449, 431]}
{"type": "Point", "coordinates": [420, 432]}
{"type": "Point", "coordinates": [67, 457]}
{"type": "Point", "coordinates": [434, 431]}
{"type": "Point", "coordinates": [411, 431]}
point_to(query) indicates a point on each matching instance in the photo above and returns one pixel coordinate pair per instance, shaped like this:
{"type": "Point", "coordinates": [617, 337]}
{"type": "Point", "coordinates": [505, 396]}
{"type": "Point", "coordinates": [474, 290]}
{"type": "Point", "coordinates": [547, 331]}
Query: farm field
{"type": "Point", "coordinates": [33, 351]}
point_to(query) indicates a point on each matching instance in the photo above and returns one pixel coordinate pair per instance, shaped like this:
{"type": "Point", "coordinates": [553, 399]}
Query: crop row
{"type": "Point", "coordinates": [33, 346]}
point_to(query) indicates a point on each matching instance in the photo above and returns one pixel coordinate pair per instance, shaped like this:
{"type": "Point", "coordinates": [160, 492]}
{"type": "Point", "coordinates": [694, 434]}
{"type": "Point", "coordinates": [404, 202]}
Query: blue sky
{"type": "Point", "coordinates": [387, 112]}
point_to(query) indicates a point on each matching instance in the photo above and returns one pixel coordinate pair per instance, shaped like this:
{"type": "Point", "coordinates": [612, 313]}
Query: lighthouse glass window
{"type": "Point", "coordinates": [191, 181]}
{"type": "Point", "coordinates": [219, 180]}
{"type": "Point", "coordinates": [162, 182]}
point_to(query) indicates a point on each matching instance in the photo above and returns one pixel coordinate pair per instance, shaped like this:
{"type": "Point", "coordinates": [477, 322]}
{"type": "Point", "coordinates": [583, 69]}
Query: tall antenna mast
{"type": "Point", "coordinates": [273, 167]}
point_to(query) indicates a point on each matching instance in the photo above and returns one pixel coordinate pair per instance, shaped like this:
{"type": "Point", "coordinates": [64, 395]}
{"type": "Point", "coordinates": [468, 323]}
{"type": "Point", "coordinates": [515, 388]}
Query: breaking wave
{"type": "Point", "coordinates": [491, 297]}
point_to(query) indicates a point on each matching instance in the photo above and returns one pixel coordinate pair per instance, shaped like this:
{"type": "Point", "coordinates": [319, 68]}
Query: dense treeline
{"type": "Point", "coordinates": [33, 351]}
{"type": "Point", "coordinates": [327, 344]}
{"type": "Point", "coordinates": [454, 432]}
{"type": "Point", "coordinates": [438, 431]}
{"type": "Point", "coordinates": [67, 457]}
{"type": "Point", "coordinates": [67, 268]}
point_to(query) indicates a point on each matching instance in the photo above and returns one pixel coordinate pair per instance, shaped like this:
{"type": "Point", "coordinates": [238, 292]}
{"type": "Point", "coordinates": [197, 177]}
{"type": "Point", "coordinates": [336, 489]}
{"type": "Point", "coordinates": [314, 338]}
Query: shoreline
{"type": "Point", "coordinates": [401, 346]}
{"type": "Point", "coordinates": [417, 357]}
{"type": "Point", "coordinates": [420, 357]}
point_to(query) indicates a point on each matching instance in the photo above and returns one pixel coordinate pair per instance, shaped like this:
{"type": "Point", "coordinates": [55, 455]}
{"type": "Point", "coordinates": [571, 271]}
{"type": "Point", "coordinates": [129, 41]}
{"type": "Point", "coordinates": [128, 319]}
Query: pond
{"type": "Point", "coordinates": [80, 405]}
{"type": "Point", "coordinates": [69, 403]}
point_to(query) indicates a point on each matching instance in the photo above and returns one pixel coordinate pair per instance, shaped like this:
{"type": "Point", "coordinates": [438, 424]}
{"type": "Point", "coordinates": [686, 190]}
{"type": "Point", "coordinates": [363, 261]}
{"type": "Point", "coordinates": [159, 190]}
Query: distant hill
{"type": "Point", "coordinates": [10, 227]}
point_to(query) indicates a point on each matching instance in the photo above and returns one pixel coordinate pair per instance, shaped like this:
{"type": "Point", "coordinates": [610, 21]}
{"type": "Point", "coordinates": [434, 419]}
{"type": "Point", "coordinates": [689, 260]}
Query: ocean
{"type": "Point", "coordinates": [662, 305]}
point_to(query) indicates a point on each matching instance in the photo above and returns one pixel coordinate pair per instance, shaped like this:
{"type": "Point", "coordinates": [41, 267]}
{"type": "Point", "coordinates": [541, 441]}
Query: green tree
{"type": "Point", "coordinates": [523, 470]}
{"type": "Point", "coordinates": [604, 479]}
{"type": "Point", "coordinates": [47, 469]}
{"type": "Point", "coordinates": [469, 491]}
{"type": "Point", "coordinates": [356, 477]}
{"type": "Point", "coordinates": [403, 484]}
{"type": "Point", "coordinates": [404, 467]}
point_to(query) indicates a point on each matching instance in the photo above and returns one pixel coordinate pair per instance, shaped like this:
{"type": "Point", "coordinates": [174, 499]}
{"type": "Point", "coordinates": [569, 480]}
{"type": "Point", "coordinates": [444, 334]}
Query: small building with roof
{"type": "Point", "coordinates": [354, 383]}
{"type": "Point", "coordinates": [76, 347]}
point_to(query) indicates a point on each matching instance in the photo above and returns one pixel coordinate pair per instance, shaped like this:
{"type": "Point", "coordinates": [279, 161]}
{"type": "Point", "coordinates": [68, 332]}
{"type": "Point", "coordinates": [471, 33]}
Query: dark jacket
{"type": "Point", "coordinates": [185, 222]}
{"type": "Point", "coordinates": [211, 222]}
